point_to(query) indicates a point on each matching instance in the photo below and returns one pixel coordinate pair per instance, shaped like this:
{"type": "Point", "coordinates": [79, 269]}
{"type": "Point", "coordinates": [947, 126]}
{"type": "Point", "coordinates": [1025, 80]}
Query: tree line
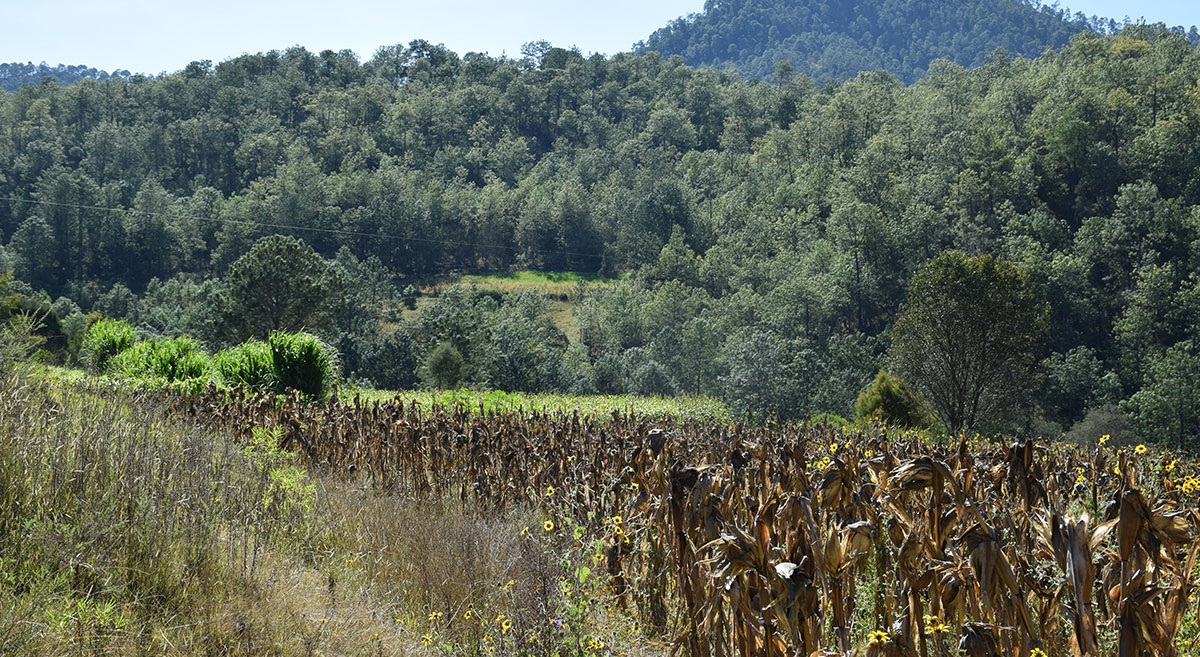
{"type": "Point", "coordinates": [14, 75]}
{"type": "Point", "coordinates": [771, 230]}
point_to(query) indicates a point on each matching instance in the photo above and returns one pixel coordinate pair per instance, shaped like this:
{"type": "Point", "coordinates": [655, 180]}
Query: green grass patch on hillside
{"type": "Point", "coordinates": [561, 284]}
{"type": "Point", "coordinates": [561, 287]}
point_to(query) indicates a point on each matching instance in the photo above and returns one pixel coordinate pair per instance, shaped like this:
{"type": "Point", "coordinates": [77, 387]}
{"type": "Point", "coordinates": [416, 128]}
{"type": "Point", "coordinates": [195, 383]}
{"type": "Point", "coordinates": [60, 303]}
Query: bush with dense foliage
{"type": "Point", "coordinates": [248, 364]}
{"type": "Point", "coordinates": [167, 359]}
{"type": "Point", "coordinates": [302, 362]}
{"type": "Point", "coordinates": [105, 340]}
{"type": "Point", "coordinates": [889, 398]}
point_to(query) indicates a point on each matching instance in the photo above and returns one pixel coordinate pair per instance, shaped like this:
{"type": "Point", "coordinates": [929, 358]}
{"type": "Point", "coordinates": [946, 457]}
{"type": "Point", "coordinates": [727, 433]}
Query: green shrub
{"type": "Point", "coordinates": [170, 359]}
{"type": "Point", "coordinates": [300, 361]}
{"type": "Point", "coordinates": [105, 340]}
{"type": "Point", "coordinates": [832, 420]}
{"type": "Point", "coordinates": [247, 364]}
{"type": "Point", "coordinates": [890, 399]}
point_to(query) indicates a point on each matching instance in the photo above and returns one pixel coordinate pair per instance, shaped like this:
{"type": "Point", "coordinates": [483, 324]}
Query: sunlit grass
{"type": "Point", "coordinates": [700, 409]}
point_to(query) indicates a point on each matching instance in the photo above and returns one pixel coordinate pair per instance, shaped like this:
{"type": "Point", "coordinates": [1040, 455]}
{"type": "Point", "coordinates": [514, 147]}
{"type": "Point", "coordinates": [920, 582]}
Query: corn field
{"type": "Point", "coordinates": [732, 541]}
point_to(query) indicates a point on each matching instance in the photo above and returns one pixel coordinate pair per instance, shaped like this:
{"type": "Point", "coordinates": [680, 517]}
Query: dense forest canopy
{"type": "Point", "coordinates": [835, 39]}
{"type": "Point", "coordinates": [772, 229]}
{"type": "Point", "coordinates": [14, 75]}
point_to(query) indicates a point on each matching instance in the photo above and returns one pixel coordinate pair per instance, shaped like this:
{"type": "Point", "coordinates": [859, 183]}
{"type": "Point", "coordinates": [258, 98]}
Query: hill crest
{"type": "Point", "coordinates": [836, 39]}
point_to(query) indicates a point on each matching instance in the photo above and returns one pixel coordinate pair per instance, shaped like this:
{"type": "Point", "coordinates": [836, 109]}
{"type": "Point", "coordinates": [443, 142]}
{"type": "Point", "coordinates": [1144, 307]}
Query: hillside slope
{"type": "Point", "coordinates": [835, 39]}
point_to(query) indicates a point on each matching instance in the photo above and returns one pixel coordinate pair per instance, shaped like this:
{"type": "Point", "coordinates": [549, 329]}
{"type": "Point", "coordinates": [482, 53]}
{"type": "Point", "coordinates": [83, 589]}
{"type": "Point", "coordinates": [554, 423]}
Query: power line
{"type": "Point", "coordinates": [330, 231]}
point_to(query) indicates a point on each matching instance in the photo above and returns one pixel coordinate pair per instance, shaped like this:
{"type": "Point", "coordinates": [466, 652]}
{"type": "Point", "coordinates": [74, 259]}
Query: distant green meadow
{"type": "Point", "coordinates": [556, 283]}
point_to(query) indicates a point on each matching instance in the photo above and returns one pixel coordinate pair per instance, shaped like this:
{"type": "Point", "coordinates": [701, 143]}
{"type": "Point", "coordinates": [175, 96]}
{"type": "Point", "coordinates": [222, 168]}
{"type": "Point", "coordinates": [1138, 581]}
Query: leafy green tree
{"type": "Point", "coordinates": [763, 379]}
{"type": "Point", "coordinates": [968, 338]}
{"type": "Point", "coordinates": [280, 285]}
{"type": "Point", "coordinates": [444, 367]}
{"type": "Point", "coordinates": [33, 245]}
{"type": "Point", "coordinates": [391, 361]}
{"type": "Point", "coordinates": [1167, 408]}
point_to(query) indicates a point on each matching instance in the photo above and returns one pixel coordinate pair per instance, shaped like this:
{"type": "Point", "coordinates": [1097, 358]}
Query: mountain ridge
{"type": "Point", "coordinates": [837, 39]}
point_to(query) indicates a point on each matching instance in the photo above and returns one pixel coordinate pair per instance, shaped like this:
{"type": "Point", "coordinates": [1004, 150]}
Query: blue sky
{"type": "Point", "coordinates": [152, 37]}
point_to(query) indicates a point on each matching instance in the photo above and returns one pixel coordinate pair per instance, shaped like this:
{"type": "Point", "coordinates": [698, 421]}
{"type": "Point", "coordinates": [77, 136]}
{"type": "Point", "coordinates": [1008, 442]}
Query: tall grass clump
{"type": "Point", "coordinates": [119, 530]}
{"type": "Point", "coordinates": [301, 362]}
{"type": "Point", "coordinates": [248, 364]}
{"type": "Point", "coordinates": [167, 359]}
{"type": "Point", "coordinates": [125, 530]}
{"type": "Point", "coordinates": [105, 340]}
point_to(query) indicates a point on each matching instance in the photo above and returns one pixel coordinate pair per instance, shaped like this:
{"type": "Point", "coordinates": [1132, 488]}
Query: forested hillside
{"type": "Point", "coordinates": [835, 39]}
{"type": "Point", "coordinates": [772, 230]}
{"type": "Point", "coordinates": [14, 75]}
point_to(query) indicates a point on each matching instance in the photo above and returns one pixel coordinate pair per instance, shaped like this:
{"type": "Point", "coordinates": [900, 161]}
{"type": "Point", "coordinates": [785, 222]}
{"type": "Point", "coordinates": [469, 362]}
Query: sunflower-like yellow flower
{"type": "Point", "coordinates": [879, 637]}
{"type": "Point", "coordinates": [548, 526]}
{"type": "Point", "coordinates": [1140, 449]}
